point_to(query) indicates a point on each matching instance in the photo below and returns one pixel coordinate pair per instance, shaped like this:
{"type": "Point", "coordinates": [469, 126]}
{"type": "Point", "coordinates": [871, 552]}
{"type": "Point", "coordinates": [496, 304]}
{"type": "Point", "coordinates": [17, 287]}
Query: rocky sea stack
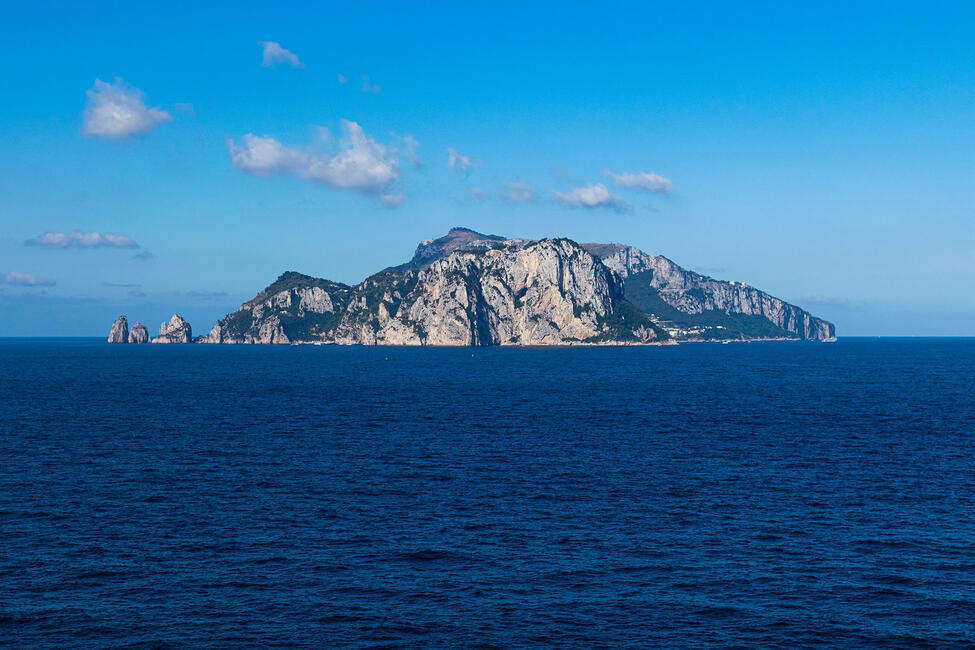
{"type": "Point", "coordinates": [120, 331]}
{"type": "Point", "coordinates": [176, 331]}
{"type": "Point", "coordinates": [139, 333]}
{"type": "Point", "coordinates": [471, 289]}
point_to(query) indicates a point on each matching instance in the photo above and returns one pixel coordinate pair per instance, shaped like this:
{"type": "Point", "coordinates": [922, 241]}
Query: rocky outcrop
{"type": "Point", "coordinates": [176, 331]}
{"type": "Point", "coordinates": [120, 331]}
{"type": "Point", "coordinates": [139, 333]}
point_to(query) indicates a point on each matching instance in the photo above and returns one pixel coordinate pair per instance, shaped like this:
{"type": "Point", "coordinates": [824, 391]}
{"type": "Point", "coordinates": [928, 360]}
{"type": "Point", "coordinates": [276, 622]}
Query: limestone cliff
{"type": "Point", "coordinates": [176, 331]}
{"type": "Point", "coordinates": [460, 292]}
{"type": "Point", "coordinates": [550, 292]}
{"type": "Point", "coordinates": [120, 331]}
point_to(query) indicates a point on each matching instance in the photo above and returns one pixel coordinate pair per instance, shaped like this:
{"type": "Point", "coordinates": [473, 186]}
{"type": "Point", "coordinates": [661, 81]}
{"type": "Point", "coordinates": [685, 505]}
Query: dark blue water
{"type": "Point", "coordinates": [701, 495]}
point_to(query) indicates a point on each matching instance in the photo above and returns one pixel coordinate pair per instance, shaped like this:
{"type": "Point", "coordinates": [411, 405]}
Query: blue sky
{"type": "Point", "coordinates": [823, 153]}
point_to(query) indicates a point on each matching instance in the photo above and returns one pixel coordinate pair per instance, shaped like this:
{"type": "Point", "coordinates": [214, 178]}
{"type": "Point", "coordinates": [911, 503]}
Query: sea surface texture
{"type": "Point", "coordinates": [775, 494]}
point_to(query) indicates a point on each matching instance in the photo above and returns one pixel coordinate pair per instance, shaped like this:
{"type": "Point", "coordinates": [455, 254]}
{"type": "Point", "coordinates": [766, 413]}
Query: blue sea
{"type": "Point", "coordinates": [751, 495]}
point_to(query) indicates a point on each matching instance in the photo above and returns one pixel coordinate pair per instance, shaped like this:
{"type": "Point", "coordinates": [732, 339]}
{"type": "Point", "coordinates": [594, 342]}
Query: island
{"type": "Point", "coordinates": [471, 289]}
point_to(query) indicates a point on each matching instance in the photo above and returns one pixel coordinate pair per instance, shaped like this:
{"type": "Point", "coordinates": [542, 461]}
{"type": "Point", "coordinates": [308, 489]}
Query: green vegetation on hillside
{"type": "Point", "coordinates": [626, 318]}
{"type": "Point", "coordinates": [715, 324]}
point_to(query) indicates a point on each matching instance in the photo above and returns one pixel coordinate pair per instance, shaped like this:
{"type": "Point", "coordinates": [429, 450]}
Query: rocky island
{"type": "Point", "coordinates": [471, 289]}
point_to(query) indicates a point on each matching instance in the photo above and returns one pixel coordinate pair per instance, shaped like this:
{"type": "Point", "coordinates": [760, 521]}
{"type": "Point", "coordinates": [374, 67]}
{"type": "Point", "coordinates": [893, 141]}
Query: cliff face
{"type": "Point", "coordinates": [695, 306]}
{"type": "Point", "coordinates": [550, 292]}
{"type": "Point", "coordinates": [120, 331]}
{"type": "Point", "coordinates": [176, 331]}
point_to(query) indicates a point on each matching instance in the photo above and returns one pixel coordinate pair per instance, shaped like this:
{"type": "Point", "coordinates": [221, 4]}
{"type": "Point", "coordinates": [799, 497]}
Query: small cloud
{"type": "Point", "coordinates": [361, 164]}
{"type": "Point", "coordinates": [137, 294]}
{"type": "Point", "coordinates": [26, 280]}
{"type": "Point", "coordinates": [646, 181]}
{"type": "Point", "coordinates": [459, 161]}
{"type": "Point", "coordinates": [479, 192]}
{"type": "Point", "coordinates": [592, 196]}
{"type": "Point", "coordinates": [412, 145]}
{"type": "Point", "coordinates": [80, 239]}
{"type": "Point", "coordinates": [117, 111]}
{"type": "Point", "coordinates": [275, 54]}
{"type": "Point", "coordinates": [144, 255]}
{"type": "Point", "coordinates": [342, 78]}
{"type": "Point", "coordinates": [120, 285]}
{"type": "Point", "coordinates": [517, 192]}
{"type": "Point", "coordinates": [368, 87]}
{"type": "Point", "coordinates": [392, 200]}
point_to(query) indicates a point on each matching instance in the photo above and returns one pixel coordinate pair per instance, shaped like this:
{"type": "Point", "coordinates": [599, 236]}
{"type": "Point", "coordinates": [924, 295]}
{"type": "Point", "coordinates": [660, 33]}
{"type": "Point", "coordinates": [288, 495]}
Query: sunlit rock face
{"type": "Point", "coordinates": [177, 330]}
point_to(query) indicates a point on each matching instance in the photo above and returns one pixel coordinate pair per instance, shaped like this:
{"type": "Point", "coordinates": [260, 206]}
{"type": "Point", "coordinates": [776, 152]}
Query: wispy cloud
{"type": "Point", "coordinates": [118, 111]}
{"type": "Point", "coordinates": [459, 161]}
{"type": "Point", "coordinates": [479, 192]}
{"type": "Point", "coordinates": [81, 239]}
{"type": "Point", "coordinates": [411, 145]}
{"type": "Point", "coordinates": [517, 192]}
{"type": "Point", "coordinates": [275, 54]}
{"type": "Point", "coordinates": [392, 200]}
{"type": "Point", "coordinates": [369, 87]}
{"type": "Point", "coordinates": [26, 279]}
{"type": "Point", "coordinates": [592, 196]}
{"type": "Point", "coordinates": [342, 78]}
{"type": "Point", "coordinates": [120, 285]}
{"type": "Point", "coordinates": [647, 181]}
{"type": "Point", "coordinates": [361, 164]}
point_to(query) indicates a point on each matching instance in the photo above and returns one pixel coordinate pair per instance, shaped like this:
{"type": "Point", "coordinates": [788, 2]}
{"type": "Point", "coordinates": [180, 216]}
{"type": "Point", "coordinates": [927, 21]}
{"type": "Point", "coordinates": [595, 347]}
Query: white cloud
{"type": "Point", "coordinates": [479, 192]}
{"type": "Point", "coordinates": [275, 54]}
{"type": "Point", "coordinates": [342, 78]}
{"type": "Point", "coordinates": [26, 279]}
{"type": "Point", "coordinates": [79, 239]}
{"type": "Point", "coordinates": [368, 87]}
{"type": "Point", "coordinates": [412, 145]}
{"type": "Point", "coordinates": [361, 164]}
{"type": "Point", "coordinates": [116, 111]}
{"type": "Point", "coordinates": [517, 192]}
{"type": "Point", "coordinates": [592, 196]}
{"type": "Point", "coordinates": [458, 161]}
{"type": "Point", "coordinates": [392, 200]}
{"type": "Point", "coordinates": [642, 180]}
